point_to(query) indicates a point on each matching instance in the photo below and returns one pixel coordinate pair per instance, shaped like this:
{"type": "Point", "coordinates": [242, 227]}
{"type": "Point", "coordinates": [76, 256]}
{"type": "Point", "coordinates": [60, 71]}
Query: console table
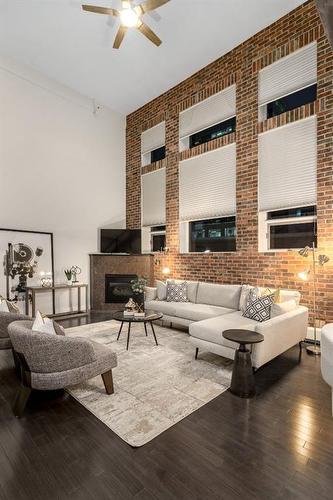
{"type": "Point", "coordinates": [32, 291]}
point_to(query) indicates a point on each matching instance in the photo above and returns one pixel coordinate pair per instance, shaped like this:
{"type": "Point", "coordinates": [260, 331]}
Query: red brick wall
{"type": "Point", "coordinates": [241, 66]}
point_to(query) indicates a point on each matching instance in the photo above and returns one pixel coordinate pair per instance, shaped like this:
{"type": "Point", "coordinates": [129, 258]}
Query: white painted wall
{"type": "Point", "coordinates": [62, 168]}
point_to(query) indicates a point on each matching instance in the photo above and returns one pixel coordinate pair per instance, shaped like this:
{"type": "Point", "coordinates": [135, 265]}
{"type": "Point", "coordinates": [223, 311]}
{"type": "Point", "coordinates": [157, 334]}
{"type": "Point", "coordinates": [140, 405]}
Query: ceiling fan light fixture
{"type": "Point", "coordinates": [129, 18]}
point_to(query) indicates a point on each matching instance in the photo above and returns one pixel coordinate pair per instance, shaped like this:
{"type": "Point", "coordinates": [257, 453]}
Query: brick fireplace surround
{"type": "Point", "coordinates": [241, 66]}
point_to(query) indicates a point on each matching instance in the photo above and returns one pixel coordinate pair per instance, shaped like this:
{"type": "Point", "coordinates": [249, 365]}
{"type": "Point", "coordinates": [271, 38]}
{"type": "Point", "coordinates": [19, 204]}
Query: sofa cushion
{"type": "Point", "coordinates": [283, 307]}
{"type": "Point", "coordinates": [198, 312]}
{"type": "Point", "coordinates": [161, 290]}
{"type": "Point", "coordinates": [211, 329]}
{"type": "Point", "coordinates": [286, 295]}
{"type": "Point", "coordinates": [219, 295]}
{"type": "Point", "coordinates": [162, 306]}
{"type": "Point", "coordinates": [191, 287]}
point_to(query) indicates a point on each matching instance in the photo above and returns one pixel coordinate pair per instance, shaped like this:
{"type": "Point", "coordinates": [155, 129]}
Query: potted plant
{"type": "Point", "coordinates": [138, 287]}
{"type": "Point", "coordinates": [68, 274]}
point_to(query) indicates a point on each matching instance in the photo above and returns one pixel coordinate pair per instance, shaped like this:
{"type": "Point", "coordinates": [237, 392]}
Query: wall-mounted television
{"type": "Point", "coordinates": [121, 241]}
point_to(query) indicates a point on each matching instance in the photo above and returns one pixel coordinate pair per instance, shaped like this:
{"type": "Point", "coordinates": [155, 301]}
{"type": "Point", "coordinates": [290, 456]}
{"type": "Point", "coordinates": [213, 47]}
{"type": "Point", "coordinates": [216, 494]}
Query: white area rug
{"type": "Point", "coordinates": [155, 386]}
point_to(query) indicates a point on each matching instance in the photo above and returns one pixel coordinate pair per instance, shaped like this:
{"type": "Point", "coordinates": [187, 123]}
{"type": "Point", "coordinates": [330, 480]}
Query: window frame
{"type": "Point", "coordinates": [185, 237]}
{"type": "Point", "coordinates": [264, 225]}
{"type": "Point", "coordinates": [184, 141]}
{"type": "Point", "coordinates": [262, 114]}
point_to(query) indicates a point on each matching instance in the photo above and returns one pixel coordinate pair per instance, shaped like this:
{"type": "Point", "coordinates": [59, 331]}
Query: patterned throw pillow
{"type": "Point", "coordinates": [259, 309]}
{"type": "Point", "coordinates": [176, 292]}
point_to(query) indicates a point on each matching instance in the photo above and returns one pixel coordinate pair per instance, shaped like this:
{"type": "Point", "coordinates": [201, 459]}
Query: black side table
{"type": "Point", "coordinates": [242, 381]}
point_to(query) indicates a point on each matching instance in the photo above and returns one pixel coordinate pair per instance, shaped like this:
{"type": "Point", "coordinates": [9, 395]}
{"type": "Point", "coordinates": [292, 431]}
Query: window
{"type": "Point", "coordinates": [153, 198]}
{"type": "Point", "coordinates": [288, 83]}
{"type": "Point", "coordinates": [157, 154]}
{"type": "Point", "coordinates": [153, 144]}
{"type": "Point", "coordinates": [219, 130]}
{"type": "Point", "coordinates": [206, 115]}
{"type": "Point", "coordinates": [291, 101]}
{"type": "Point", "coordinates": [213, 235]}
{"type": "Point", "coordinates": [290, 228]}
{"type": "Point", "coordinates": [157, 239]}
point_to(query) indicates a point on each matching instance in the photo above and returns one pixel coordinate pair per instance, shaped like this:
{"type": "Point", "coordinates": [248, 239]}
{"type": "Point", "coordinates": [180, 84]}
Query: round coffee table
{"type": "Point", "coordinates": [149, 317]}
{"type": "Point", "coordinates": [242, 381]}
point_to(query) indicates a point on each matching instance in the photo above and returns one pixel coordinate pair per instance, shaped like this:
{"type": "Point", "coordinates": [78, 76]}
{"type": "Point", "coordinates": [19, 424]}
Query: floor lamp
{"type": "Point", "coordinates": [304, 275]}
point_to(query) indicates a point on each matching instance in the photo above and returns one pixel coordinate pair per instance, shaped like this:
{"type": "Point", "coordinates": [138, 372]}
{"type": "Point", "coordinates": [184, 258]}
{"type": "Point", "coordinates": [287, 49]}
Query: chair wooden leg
{"type": "Point", "coordinates": [21, 400]}
{"type": "Point", "coordinates": [300, 352]}
{"type": "Point", "coordinates": [108, 382]}
{"type": "Point", "coordinates": [17, 364]}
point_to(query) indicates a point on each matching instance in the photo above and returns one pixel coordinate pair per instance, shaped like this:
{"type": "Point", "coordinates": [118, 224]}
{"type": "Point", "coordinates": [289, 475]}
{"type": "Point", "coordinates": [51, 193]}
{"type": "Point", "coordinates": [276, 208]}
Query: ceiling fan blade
{"type": "Point", "coordinates": [145, 30]}
{"type": "Point", "coordinates": [119, 37]}
{"type": "Point", "coordinates": [100, 10]}
{"type": "Point", "coordinates": [149, 5]}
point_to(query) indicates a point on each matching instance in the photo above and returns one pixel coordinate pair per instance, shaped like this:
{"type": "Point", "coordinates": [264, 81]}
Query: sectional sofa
{"type": "Point", "coordinates": [213, 308]}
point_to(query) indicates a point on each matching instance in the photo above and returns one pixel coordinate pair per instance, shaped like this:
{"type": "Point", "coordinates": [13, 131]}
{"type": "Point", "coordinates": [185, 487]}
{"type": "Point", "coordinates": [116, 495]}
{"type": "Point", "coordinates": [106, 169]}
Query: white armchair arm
{"type": "Point", "coordinates": [150, 293]}
{"type": "Point", "coordinates": [281, 333]}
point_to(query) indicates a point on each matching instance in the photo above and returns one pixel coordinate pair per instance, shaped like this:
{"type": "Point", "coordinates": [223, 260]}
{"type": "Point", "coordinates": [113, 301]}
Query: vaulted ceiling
{"type": "Point", "coordinates": [75, 48]}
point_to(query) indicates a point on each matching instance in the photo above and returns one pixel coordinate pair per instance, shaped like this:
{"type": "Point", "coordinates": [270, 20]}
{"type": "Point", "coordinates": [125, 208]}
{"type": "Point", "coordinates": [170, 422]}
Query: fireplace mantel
{"type": "Point", "coordinates": [102, 264]}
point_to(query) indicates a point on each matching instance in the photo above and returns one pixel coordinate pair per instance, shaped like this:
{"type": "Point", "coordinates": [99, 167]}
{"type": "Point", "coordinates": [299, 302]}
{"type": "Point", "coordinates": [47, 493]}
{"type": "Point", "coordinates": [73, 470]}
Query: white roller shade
{"type": "Point", "coordinates": [291, 73]}
{"type": "Point", "coordinates": [153, 198]}
{"type": "Point", "coordinates": [207, 185]}
{"type": "Point", "coordinates": [209, 112]}
{"type": "Point", "coordinates": [288, 166]}
{"type": "Point", "coordinates": [153, 138]}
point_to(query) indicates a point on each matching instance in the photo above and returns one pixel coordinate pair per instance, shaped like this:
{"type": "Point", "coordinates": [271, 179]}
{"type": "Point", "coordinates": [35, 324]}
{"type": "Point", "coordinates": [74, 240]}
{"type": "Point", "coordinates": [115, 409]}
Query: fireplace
{"type": "Point", "coordinates": [118, 288]}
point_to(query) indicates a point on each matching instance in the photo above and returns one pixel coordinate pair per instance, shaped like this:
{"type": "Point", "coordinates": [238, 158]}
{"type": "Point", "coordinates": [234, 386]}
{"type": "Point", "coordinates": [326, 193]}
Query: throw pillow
{"type": "Point", "coordinates": [191, 289]}
{"type": "Point", "coordinates": [161, 290]}
{"type": "Point", "coordinates": [8, 306]}
{"type": "Point", "coordinates": [283, 307]}
{"type": "Point", "coordinates": [43, 325]}
{"type": "Point", "coordinates": [4, 306]}
{"type": "Point", "coordinates": [60, 330]}
{"type": "Point", "coordinates": [176, 292]}
{"type": "Point", "coordinates": [259, 309]}
{"type": "Point", "coordinates": [276, 293]}
{"type": "Point", "coordinates": [150, 293]}
{"type": "Point", "coordinates": [244, 296]}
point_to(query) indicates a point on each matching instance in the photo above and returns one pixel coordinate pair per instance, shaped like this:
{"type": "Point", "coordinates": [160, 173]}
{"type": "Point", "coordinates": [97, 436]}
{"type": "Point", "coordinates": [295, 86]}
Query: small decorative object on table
{"type": "Point", "coordinates": [140, 312]}
{"type": "Point", "coordinates": [68, 274]}
{"type": "Point", "coordinates": [138, 287]}
{"type": "Point", "coordinates": [75, 271]}
{"type": "Point", "coordinates": [130, 308]}
{"type": "Point", "coordinates": [45, 279]}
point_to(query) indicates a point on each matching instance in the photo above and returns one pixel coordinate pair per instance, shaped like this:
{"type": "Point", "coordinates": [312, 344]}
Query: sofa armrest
{"type": "Point", "coordinates": [150, 293]}
{"type": "Point", "coordinates": [6, 318]}
{"type": "Point", "coordinates": [280, 334]}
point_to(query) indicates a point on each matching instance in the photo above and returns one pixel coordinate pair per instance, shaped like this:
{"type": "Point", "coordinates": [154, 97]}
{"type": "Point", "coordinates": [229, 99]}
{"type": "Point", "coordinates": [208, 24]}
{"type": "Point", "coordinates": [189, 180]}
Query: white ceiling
{"type": "Point", "coordinates": [75, 48]}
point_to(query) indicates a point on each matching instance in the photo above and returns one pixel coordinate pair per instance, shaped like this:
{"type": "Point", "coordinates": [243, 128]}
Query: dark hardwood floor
{"type": "Point", "coordinates": [278, 445]}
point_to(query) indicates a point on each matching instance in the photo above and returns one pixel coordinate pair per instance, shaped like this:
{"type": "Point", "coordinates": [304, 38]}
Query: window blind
{"type": "Point", "coordinates": [153, 138]}
{"type": "Point", "coordinates": [288, 166]}
{"type": "Point", "coordinates": [153, 198]}
{"type": "Point", "coordinates": [209, 112]}
{"type": "Point", "coordinates": [207, 185]}
{"type": "Point", "coordinates": [291, 73]}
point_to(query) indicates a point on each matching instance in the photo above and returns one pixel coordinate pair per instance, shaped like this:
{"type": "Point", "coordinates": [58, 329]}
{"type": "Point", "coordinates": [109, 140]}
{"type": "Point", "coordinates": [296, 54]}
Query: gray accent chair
{"type": "Point", "coordinates": [51, 362]}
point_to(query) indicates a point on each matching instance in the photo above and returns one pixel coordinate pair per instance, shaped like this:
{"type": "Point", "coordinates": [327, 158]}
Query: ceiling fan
{"type": "Point", "coordinates": [130, 17]}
